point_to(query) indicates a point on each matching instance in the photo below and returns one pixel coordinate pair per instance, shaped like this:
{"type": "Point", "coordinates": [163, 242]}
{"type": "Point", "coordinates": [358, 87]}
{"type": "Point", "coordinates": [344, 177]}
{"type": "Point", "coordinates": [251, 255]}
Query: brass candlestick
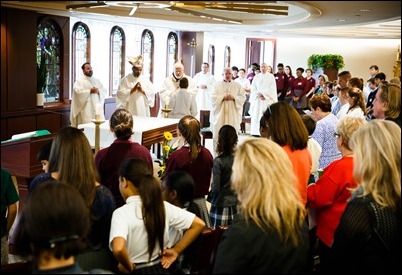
{"type": "Point", "coordinates": [166, 111]}
{"type": "Point", "coordinates": [97, 121]}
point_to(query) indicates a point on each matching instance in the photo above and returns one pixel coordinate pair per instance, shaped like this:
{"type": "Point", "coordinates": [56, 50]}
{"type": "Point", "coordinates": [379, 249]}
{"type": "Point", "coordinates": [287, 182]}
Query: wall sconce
{"type": "Point", "coordinates": [193, 43]}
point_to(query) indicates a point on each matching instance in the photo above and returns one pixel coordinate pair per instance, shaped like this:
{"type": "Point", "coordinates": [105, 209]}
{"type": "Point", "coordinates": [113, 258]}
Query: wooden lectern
{"type": "Point", "coordinates": [19, 157]}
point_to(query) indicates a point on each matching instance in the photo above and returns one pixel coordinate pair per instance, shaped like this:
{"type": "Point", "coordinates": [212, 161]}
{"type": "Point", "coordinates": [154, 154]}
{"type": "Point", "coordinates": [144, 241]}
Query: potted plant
{"type": "Point", "coordinates": [329, 63]}
{"type": "Point", "coordinates": [40, 82]}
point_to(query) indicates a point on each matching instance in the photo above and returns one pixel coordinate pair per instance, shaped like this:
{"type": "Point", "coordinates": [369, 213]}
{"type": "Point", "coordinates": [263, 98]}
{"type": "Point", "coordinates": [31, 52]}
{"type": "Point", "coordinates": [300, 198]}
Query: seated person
{"type": "Point", "coordinates": [54, 248]}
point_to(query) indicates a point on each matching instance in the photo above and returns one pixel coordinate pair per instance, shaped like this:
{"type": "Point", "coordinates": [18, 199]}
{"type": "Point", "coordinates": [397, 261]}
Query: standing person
{"type": "Point", "coordinates": [227, 104]}
{"type": "Point", "coordinates": [224, 203]}
{"type": "Point", "coordinates": [367, 89]}
{"type": "Point", "coordinates": [325, 129]}
{"type": "Point", "coordinates": [298, 90]}
{"type": "Point", "coordinates": [281, 82]}
{"type": "Point", "coordinates": [235, 72]}
{"type": "Point", "coordinates": [88, 96]}
{"type": "Point", "coordinates": [284, 125]}
{"type": "Point", "coordinates": [195, 159]}
{"type": "Point", "coordinates": [368, 237]}
{"type": "Point", "coordinates": [182, 102]}
{"type": "Point", "coordinates": [9, 207]}
{"type": "Point", "coordinates": [108, 159]}
{"type": "Point", "coordinates": [136, 93]}
{"type": "Point", "coordinates": [244, 82]}
{"type": "Point", "coordinates": [312, 145]}
{"type": "Point", "coordinates": [52, 229]}
{"type": "Point", "coordinates": [271, 235]}
{"type": "Point", "coordinates": [139, 232]}
{"type": "Point", "coordinates": [387, 103]}
{"type": "Point", "coordinates": [204, 81]}
{"type": "Point", "coordinates": [171, 83]}
{"type": "Point", "coordinates": [329, 194]}
{"type": "Point", "coordinates": [290, 78]}
{"type": "Point", "coordinates": [263, 94]}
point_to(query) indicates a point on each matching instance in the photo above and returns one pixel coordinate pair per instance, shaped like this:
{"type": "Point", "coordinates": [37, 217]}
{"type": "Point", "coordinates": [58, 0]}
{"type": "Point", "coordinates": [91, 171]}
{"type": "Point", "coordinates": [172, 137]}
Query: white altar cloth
{"type": "Point", "coordinates": [141, 125]}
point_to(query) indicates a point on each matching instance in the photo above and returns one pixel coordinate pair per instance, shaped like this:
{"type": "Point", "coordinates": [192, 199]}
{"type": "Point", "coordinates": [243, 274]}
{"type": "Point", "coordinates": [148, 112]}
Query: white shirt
{"type": "Point", "coordinates": [127, 223]}
{"type": "Point", "coordinates": [182, 103]}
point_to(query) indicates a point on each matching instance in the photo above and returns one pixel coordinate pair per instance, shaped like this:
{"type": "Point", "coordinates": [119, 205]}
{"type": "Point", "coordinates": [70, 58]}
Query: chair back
{"type": "Point", "coordinates": [155, 110]}
{"type": "Point", "coordinates": [204, 118]}
{"type": "Point", "coordinates": [205, 250]}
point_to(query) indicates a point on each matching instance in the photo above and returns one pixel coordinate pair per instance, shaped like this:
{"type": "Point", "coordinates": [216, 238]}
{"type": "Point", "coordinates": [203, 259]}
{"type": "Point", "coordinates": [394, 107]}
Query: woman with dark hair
{"type": "Point", "coordinates": [71, 162]}
{"type": "Point", "coordinates": [224, 203]}
{"type": "Point", "coordinates": [140, 229]}
{"type": "Point", "coordinates": [108, 159]}
{"type": "Point", "coordinates": [195, 159]}
{"type": "Point", "coordinates": [52, 229]}
{"type": "Point", "coordinates": [284, 125]}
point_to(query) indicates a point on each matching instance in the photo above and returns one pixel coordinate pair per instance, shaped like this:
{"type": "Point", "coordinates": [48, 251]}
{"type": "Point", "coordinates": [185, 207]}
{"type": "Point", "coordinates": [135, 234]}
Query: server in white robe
{"type": "Point", "coordinates": [171, 84]}
{"type": "Point", "coordinates": [204, 82]}
{"type": "Point", "coordinates": [88, 96]}
{"type": "Point", "coordinates": [136, 93]}
{"type": "Point", "coordinates": [227, 101]}
{"type": "Point", "coordinates": [263, 94]}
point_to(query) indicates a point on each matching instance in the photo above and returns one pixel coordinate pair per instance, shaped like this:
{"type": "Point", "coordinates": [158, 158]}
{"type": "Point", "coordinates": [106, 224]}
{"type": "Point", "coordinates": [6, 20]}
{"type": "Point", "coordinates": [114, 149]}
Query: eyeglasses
{"type": "Point", "coordinates": [336, 134]}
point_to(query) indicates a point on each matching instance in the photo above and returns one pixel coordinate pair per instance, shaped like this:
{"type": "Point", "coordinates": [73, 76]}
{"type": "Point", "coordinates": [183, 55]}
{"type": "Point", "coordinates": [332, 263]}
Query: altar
{"type": "Point", "coordinates": [147, 131]}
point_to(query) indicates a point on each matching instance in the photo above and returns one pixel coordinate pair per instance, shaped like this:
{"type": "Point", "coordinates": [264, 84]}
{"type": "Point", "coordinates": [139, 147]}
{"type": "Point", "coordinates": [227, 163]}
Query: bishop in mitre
{"type": "Point", "coordinates": [171, 84]}
{"type": "Point", "coordinates": [136, 93]}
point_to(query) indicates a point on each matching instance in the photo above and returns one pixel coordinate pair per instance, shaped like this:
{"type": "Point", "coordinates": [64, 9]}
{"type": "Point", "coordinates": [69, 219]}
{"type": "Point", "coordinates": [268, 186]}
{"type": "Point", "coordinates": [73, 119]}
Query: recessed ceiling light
{"type": "Point", "coordinates": [365, 10]}
{"type": "Point", "coordinates": [341, 20]}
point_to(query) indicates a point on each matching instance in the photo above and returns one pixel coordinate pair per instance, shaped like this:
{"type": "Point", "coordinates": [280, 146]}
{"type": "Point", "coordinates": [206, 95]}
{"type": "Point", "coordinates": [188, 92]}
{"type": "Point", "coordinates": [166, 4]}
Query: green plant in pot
{"type": "Point", "coordinates": [325, 61]}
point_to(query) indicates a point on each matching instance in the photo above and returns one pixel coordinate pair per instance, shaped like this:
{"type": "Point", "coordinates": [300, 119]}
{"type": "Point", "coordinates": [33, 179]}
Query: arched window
{"type": "Point", "coordinates": [81, 52]}
{"type": "Point", "coordinates": [211, 58]}
{"type": "Point", "coordinates": [172, 52]}
{"type": "Point", "coordinates": [48, 56]}
{"type": "Point", "coordinates": [117, 54]}
{"type": "Point", "coordinates": [147, 51]}
{"type": "Point", "coordinates": [227, 57]}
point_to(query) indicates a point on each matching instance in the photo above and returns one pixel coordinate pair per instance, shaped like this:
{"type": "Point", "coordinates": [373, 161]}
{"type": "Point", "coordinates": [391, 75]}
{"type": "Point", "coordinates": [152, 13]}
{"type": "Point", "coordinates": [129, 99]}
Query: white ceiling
{"type": "Point", "coordinates": [363, 19]}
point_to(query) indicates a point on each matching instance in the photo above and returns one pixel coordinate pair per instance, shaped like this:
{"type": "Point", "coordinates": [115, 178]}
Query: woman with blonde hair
{"type": "Point", "coordinates": [368, 237]}
{"type": "Point", "coordinates": [387, 103]}
{"type": "Point", "coordinates": [271, 236]}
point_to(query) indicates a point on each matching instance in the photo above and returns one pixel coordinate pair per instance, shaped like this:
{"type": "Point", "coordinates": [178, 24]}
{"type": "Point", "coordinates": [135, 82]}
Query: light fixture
{"type": "Point", "coordinates": [192, 43]}
{"type": "Point", "coordinates": [133, 10]}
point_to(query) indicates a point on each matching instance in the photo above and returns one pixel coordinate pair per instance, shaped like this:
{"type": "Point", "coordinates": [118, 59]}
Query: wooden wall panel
{"type": "Point", "coordinates": [18, 125]}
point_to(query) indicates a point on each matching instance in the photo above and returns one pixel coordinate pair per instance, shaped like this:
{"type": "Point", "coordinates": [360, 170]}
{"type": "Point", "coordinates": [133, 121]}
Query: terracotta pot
{"type": "Point", "coordinates": [331, 73]}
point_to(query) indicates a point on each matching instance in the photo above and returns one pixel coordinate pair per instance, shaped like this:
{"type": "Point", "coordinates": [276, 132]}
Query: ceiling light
{"type": "Point", "coordinates": [133, 10]}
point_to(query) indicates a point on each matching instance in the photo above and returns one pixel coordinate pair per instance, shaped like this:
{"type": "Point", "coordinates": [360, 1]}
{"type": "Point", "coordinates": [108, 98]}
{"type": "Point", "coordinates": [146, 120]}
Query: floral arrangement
{"type": "Point", "coordinates": [167, 149]}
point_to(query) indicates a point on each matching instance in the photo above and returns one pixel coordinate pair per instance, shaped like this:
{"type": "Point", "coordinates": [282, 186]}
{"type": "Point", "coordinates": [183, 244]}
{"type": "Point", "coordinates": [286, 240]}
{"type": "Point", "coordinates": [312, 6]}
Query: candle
{"type": "Point", "coordinates": [98, 111]}
{"type": "Point", "coordinates": [167, 101]}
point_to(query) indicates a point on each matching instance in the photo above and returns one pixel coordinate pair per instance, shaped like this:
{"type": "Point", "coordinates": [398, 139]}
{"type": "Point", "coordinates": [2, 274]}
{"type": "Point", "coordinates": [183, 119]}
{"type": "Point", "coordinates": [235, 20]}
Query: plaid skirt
{"type": "Point", "coordinates": [202, 204]}
{"type": "Point", "coordinates": [223, 216]}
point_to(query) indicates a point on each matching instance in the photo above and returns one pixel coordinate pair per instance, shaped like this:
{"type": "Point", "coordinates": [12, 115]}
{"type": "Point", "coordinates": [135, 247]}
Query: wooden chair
{"type": "Point", "coordinates": [205, 250]}
{"type": "Point", "coordinates": [154, 111]}
{"type": "Point", "coordinates": [245, 118]}
{"type": "Point", "coordinates": [17, 268]}
{"type": "Point", "coordinates": [205, 125]}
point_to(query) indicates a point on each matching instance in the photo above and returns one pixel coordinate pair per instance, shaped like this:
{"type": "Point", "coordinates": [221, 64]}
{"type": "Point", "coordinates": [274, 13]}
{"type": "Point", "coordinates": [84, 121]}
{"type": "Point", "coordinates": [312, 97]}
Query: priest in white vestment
{"type": "Point", "coordinates": [171, 84]}
{"type": "Point", "coordinates": [263, 94]}
{"type": "Point", "coordinates": [136, 93]}
{"type": "Point", "coordinates": [227, 101]}
{"type": "Point", "coordinates": [204, 81]}
{"type": "Point", "coordinates": [88, 97]}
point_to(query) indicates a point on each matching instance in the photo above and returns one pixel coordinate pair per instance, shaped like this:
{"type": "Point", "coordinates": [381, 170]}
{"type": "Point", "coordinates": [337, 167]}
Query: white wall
{"type": "Point", "coordinates": [358, 54]}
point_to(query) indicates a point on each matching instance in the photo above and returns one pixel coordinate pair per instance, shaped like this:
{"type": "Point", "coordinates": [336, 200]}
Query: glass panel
{"type": "Point", "coordinates": [211, 58]}
{"type": "Point", "coordinates": [81, 45]}
{"type": "Point", "coordinates": [147, 54]}
{"type": "Point", "coordinates": [48, 58]}
{"type": "Point", "coordinates": [117, 58]}
{"type": "Point", "coordinates": [172, 52]}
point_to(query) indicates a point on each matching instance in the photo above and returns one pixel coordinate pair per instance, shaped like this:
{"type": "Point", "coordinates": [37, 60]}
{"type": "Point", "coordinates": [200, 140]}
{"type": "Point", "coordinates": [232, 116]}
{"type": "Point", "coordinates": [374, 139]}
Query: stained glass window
{"type": "Point", "coordinates": [147, 51]}
{"type": "Point", "coordinates": [48, 56]}
{"type": "Point", "coordinates": [171, 52]}
{"type": "Point", "coordinates": [81, 50]}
